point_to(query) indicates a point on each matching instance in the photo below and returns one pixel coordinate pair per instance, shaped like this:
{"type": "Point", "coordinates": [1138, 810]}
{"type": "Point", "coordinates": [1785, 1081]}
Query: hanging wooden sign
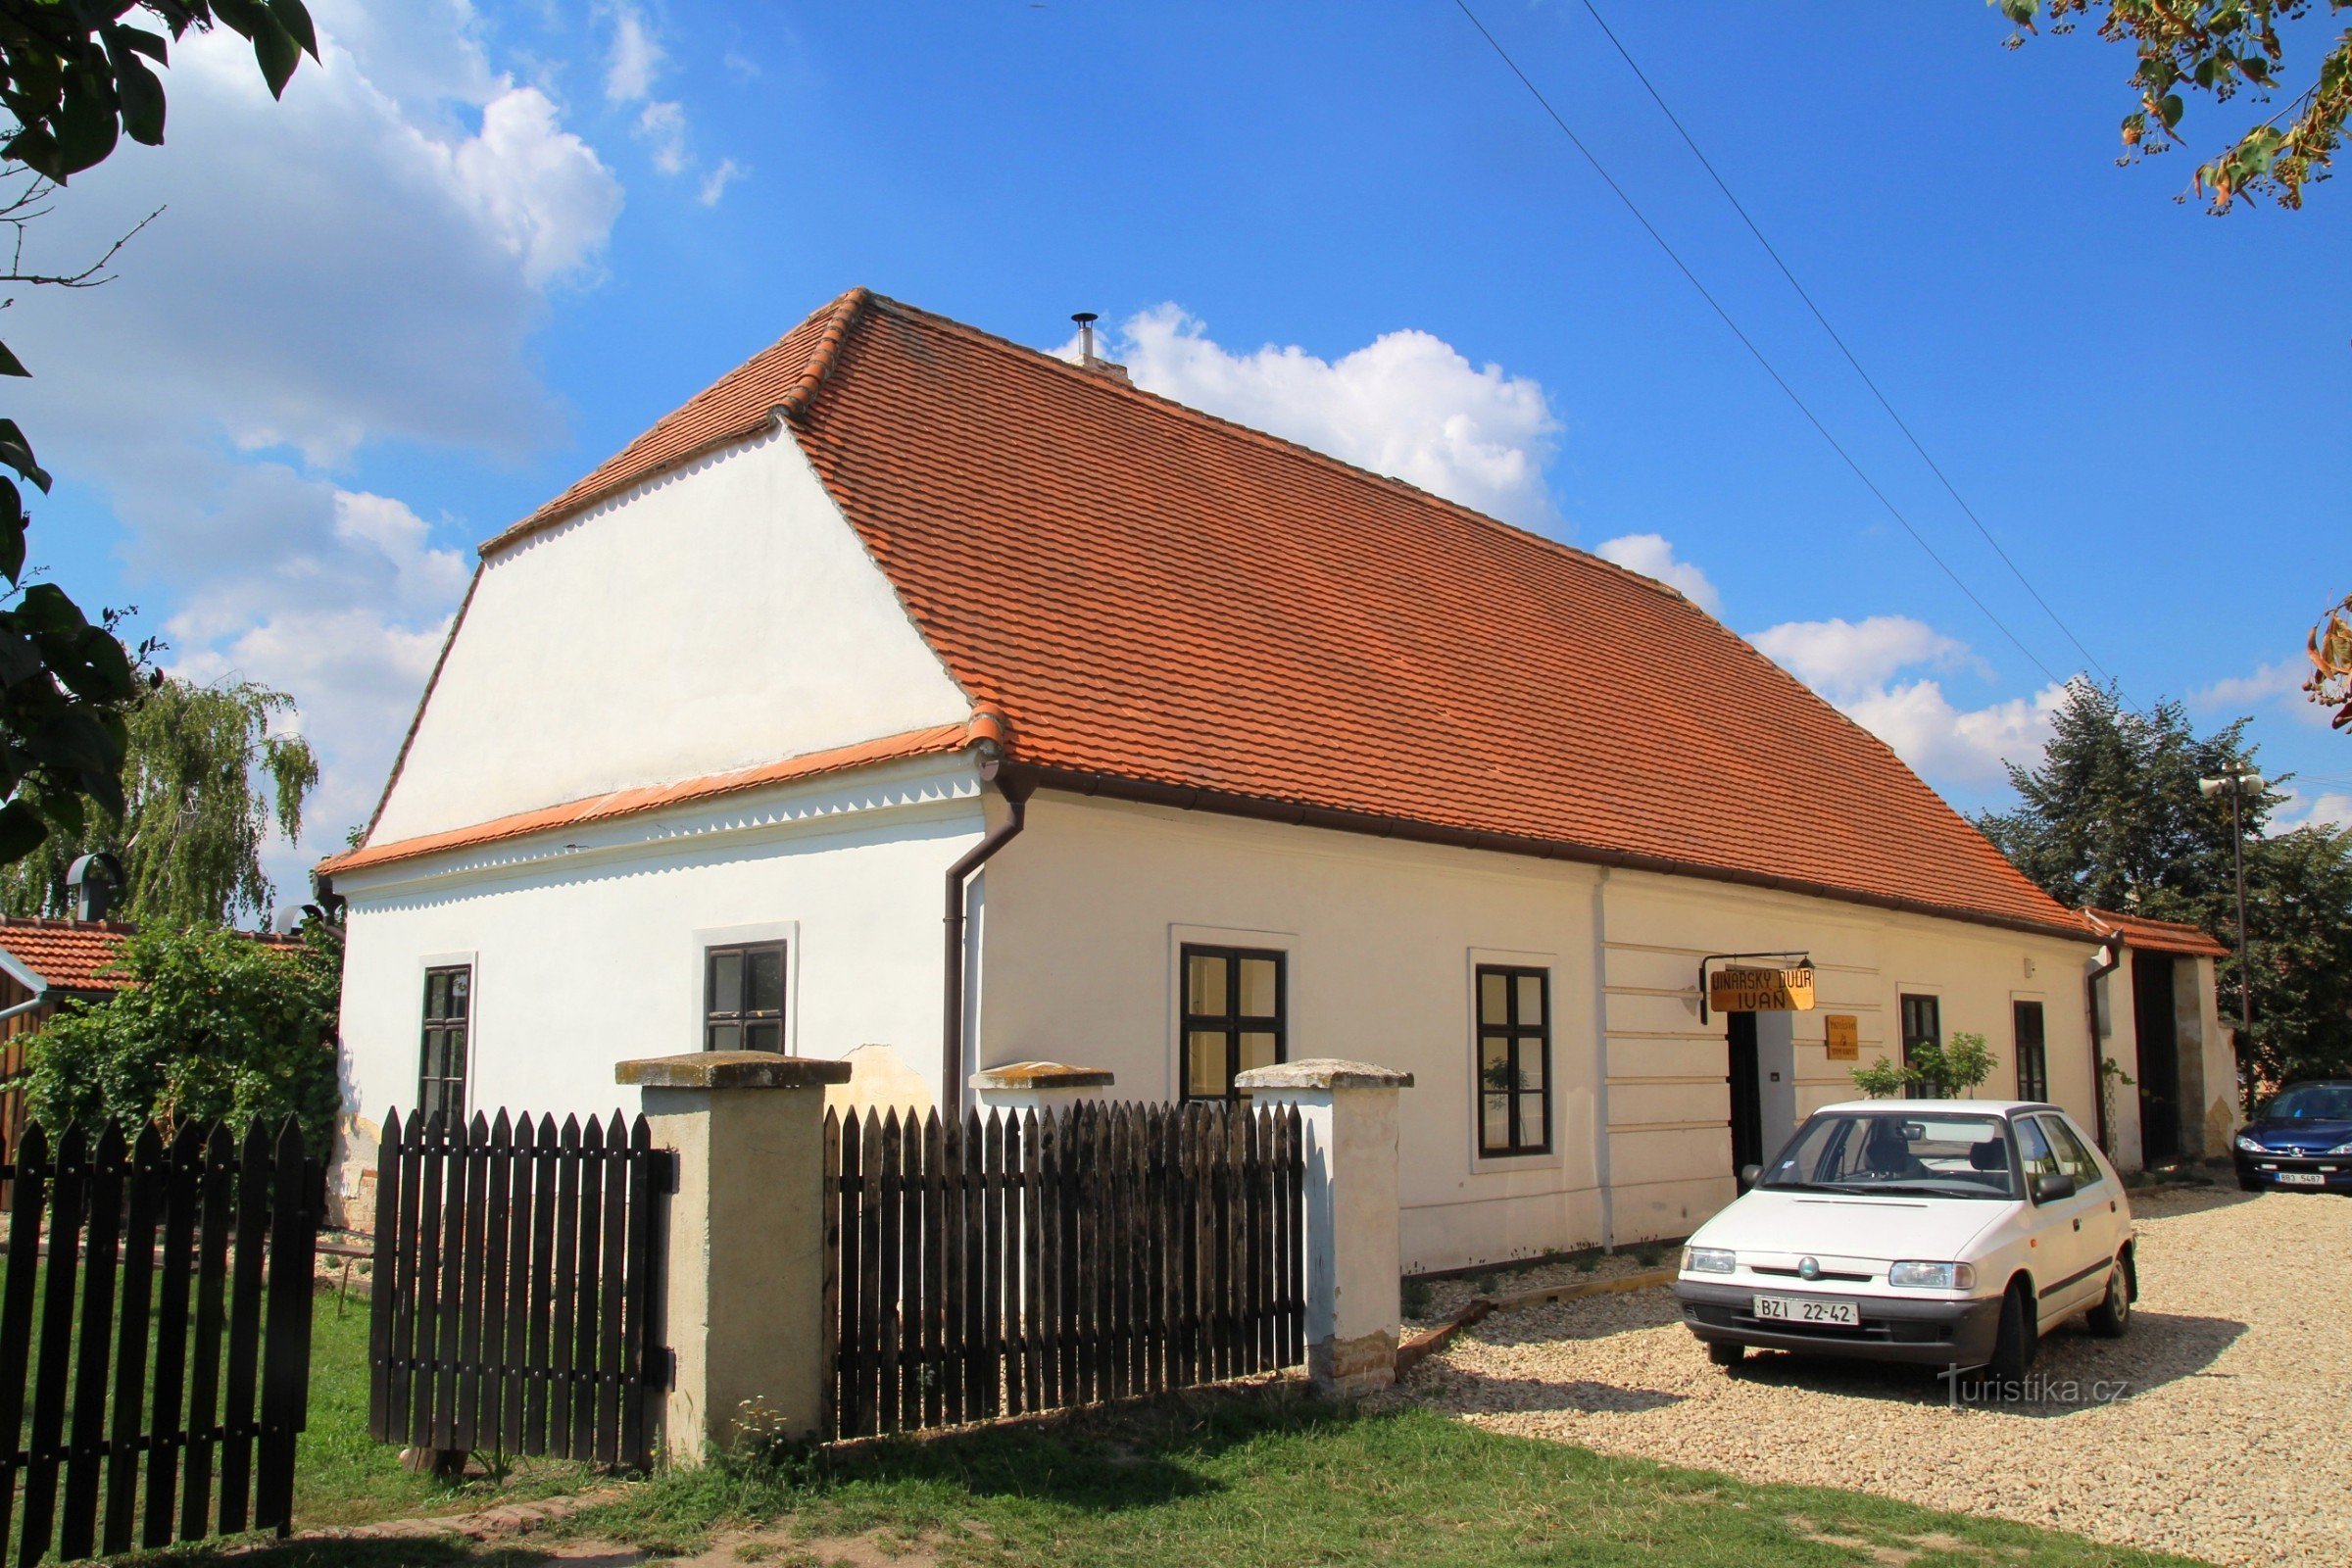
{"type": "Point", "coordinates": [1843, 1033]}
{"type": "Point", "coordinates": [1739, 990]}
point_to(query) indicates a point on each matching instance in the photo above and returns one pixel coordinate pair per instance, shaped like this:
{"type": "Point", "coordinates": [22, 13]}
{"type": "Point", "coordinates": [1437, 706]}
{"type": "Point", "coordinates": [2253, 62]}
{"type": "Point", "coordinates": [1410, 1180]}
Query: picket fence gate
{"type": "Point", "coordinates": [155, 1337]}
{"type": "Point", "coordinates": [517, 1288]}
{"type": "Point", "coordinates": [1029, 1261]}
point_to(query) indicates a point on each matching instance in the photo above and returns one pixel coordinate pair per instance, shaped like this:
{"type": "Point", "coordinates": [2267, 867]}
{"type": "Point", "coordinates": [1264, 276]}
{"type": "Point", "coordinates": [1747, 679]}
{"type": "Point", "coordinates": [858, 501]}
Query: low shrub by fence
{"type": "Point", "coordinates": [155, 1328]}
{"type": "Point", "coordinates": [1031, 1260]}
{"type": "Point", "coordinates": [516, 1287]}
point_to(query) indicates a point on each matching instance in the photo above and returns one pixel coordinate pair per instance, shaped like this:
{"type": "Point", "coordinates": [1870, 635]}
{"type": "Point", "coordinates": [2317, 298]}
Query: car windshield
{"type": "Point", "coordinates": [1938, 1154]}
{"type": "Point", "coordinates": [2313, 1103]}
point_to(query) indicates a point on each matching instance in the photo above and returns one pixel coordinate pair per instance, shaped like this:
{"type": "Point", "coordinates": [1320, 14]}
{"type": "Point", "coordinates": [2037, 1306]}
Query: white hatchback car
{"type": "Point", "coordinates": [1947, 1233]}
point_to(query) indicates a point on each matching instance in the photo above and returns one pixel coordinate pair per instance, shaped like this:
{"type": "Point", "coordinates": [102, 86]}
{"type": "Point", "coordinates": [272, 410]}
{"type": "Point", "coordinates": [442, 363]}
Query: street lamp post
{"type": "Point", "coordinates": [2237, 781]}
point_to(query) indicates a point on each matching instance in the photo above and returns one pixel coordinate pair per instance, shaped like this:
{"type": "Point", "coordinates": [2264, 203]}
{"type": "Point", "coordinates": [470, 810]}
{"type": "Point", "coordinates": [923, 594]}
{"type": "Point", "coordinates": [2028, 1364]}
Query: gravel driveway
{"type": "Point", "coordinates": [2216, 1428]}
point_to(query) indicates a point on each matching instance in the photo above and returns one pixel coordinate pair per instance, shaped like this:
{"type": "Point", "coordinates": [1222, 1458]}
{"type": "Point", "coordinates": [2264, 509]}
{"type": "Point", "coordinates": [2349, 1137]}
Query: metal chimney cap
{"type": "Point", "coordinates": [1083, 317]}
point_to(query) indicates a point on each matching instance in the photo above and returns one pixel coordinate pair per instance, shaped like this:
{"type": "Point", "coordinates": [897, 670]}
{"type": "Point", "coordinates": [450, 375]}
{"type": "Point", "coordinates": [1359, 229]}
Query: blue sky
{"type": "Point", "coordinates": [483, 246]}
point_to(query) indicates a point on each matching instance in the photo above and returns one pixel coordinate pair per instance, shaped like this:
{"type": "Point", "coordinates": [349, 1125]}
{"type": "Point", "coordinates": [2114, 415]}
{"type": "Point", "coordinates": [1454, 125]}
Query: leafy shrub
{"type": "Point", "coordinates": [1933, 1072]}
{"type": "Point", "coordinates": [210, 1025]}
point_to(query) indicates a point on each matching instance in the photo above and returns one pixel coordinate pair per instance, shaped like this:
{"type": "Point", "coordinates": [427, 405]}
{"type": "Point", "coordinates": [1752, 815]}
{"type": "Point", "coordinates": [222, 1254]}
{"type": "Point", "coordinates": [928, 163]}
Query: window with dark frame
{"type": "Point", "coordinates": [2032, 1060]}
{"type": "Point", "coordinates": [1235, 1010]}
{"type": "Point", "coordinates": [1923, 1025]}
{"type": "Point", "coordinates": [743, 997]}
{"type": "Point", "coordinates": [441, 1060]}
{"type": "Point", "coordinates": [1514, 1060]}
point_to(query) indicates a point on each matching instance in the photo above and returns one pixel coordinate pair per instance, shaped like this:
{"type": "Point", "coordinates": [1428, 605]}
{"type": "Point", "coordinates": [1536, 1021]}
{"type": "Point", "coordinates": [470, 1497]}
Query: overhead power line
{"type": "Point", "coordinates": [1748, 343]}
{"type": "Point", "coordinates": [1867, 380]}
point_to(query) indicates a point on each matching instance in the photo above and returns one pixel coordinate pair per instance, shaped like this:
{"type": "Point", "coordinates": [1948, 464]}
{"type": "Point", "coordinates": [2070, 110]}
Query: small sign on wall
{"type": "Point", "coordinates": [1760, 990]}
{"type": "Point", "coordinates": [1843, 1032]}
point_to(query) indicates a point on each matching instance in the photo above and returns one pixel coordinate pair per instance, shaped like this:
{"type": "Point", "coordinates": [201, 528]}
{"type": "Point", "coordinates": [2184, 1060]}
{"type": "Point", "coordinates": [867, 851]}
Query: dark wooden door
{"type": "Point", "coordinates": [1747, 1096]}
{"type": "Point", "coordinates": [2159, 1058]}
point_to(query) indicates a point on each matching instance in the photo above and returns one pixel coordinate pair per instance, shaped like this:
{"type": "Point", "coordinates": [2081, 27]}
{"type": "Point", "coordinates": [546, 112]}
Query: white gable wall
{"type": "Point", "coordinates": [719, 616]}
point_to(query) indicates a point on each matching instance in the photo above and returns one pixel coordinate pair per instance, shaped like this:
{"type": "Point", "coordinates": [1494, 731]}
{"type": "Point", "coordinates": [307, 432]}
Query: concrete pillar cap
{"type": "Point", "coordinates": [1322, 1072]}
{"type": "Point", "coordinates": [1041, 1075]}
{"type": "Point", "coordinates": [731, 1069]}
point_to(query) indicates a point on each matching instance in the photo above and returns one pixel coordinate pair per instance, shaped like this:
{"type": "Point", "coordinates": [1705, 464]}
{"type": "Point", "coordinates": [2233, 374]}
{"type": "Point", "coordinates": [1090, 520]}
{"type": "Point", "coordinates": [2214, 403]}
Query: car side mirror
{"type": "Point", "coordinates": [1748, 1175]}
{"type": "Point", "coordinates": [2052, 1185]}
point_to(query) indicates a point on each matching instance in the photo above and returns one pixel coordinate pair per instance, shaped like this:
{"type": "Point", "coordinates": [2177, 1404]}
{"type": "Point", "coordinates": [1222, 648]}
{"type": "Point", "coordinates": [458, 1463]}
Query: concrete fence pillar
{"type": "Point", "coordinates": [1044, 1087]}
{"type": "Point", "coordinates": [744, 1287]}
{"type": "Point", "coordinates": [1347, 1122]}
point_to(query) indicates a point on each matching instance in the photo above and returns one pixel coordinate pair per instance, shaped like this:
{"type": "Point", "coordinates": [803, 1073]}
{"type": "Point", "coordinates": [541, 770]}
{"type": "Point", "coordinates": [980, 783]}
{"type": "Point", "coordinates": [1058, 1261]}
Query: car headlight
{"type": "Point", "coordinates": [1708, 1260]}
{"type": "Point", "coordinates": [1933, 1276]}
{"type": "Point", "coordinates": [2341, 1149]}
{"type": "Point", "coordinates": [2250, 1146]}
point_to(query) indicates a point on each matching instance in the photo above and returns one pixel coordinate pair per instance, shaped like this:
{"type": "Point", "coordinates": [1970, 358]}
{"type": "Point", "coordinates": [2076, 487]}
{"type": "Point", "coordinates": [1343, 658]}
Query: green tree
{"type": "Point", "coordinates": [214, 1025]}
{"type": "Point", "coordinates": [209, 771]}
{"type": "Point", "coordinates": [75, 75]}
{"type": "Point", "coordinates": [2221, 48]}
{"type": "Point", "coordinates": [2111, 816]}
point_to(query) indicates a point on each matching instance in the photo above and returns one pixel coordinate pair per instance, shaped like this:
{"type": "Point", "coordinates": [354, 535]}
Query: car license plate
{"type": "Point", "coordinates": [2301, 1178]}
{"type": "Point", "coordinates": [1796, 1310]}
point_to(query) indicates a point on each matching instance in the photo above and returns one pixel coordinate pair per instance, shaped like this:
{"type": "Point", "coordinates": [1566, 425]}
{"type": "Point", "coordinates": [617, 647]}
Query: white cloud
{"type": "Point", "coordinates": [715, 184]}
{"type": "Point", "coordinates": [632, 65]}
{"type": "Point", "coordinates": [2277, 685]}
{"type": "Point", "coordinates": [544, 191]}
{"type": "Point", "coordinates": [1953, 746]}
{"type": "Point", "coordinates": [635, 58]}
{"type": "Point", "coordinates": [1406, 404]}
{"type": "Point", "coordinates": [662, 125]}
{"type": "Point", "coordinates": [1842, 658]}
{"type": "Point", "coordinates": [1856, 663]}
{"type": "Point", "coordinates": [2328, 808]}
{"type": "Point", "coordinates": [1652, 556]}
{"type": "Point", "coordinates": [365, 261]}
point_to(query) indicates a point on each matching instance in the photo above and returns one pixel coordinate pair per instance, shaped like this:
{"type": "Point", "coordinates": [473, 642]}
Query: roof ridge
{"type": "Point", "coordinates": [841, 315]}
{"type": "Point", "coordinates": [1280, 443]}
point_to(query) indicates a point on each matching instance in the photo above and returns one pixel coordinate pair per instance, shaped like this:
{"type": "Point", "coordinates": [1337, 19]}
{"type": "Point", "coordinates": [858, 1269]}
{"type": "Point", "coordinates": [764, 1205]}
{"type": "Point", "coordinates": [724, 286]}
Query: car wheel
{"type": "Point", "coordinates": [1723, 1352]}
{"type": "Point", "coordinates": [2113, 1315]}
{"type": "Point", "coordinates": [2013, 1348]}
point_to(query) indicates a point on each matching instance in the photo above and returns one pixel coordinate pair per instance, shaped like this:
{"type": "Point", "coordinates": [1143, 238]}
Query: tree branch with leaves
{"type": "Point", "coordinates": [2220, 48]}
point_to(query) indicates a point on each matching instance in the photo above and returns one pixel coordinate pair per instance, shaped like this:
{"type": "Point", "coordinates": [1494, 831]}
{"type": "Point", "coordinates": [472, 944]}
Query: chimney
{"type": "Point", "coordinates": [91, 883]}
{"type": "Point", "coordinates": [1087, 360]}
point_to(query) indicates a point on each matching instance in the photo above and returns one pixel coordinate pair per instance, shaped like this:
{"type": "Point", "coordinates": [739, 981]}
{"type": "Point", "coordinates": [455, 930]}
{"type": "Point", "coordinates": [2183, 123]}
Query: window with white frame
{"type": "Point", "coordinates": [1235, 1017]}
{"type": "Point", "coordinates": [442, 1055]}
{"type": "Point", "coordinates": [1514, 1059]}
{"type": "Point", "coordinates": [743, 997]}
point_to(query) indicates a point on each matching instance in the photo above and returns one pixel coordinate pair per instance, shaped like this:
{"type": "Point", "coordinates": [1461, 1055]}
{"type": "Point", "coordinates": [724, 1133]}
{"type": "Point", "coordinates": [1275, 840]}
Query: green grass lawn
{"type": "Point", "coordinates": [1223, 1479]}
{"type": "Point", "coordinates": [342, 1476]}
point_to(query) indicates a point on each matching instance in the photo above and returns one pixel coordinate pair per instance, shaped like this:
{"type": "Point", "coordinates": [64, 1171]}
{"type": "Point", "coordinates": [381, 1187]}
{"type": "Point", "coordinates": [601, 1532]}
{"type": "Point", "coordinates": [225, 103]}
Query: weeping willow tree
{"type": "Point", "coordinates": [210, 773]}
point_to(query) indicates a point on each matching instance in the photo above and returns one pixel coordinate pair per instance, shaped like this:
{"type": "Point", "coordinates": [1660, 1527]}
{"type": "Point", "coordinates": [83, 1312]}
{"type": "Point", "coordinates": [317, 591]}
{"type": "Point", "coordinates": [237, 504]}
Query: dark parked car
{"type": "Point", "coordinates": [2303, 1138]}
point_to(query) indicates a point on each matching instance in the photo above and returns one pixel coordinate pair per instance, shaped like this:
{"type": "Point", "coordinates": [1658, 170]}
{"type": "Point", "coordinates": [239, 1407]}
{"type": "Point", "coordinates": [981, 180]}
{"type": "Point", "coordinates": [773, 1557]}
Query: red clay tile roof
{"type": "Point", "coordinates": [629, 803]}
{"type": "Point", "coordinates": [71, 954]}
{"type": "Point", "coordinates": [2155, 936]}
{"type": "Point", "coordinates": [1159, 599]}
{"type": "Point", "coordinates": [67, 954]}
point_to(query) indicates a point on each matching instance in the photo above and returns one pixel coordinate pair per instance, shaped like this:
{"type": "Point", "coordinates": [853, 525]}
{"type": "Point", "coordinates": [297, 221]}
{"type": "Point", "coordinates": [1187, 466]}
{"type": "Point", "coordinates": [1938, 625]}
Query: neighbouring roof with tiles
{"type": "Point", "coordinates": [2155, 936]}
{"type": "Point", "coordinates": [1151, 594]}
{"type": "Point", "coordinates": [67, 954]}
{"type": "Point", "coordinates": [75, 955]}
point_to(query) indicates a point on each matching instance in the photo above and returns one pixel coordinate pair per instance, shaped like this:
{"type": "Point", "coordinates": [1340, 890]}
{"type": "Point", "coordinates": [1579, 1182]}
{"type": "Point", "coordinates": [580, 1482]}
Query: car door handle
{"type": "Point", "coordinates": [2078, 1224]}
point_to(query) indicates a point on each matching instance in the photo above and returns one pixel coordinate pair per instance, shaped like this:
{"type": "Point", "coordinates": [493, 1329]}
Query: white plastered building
{"type": "Point", "coordinates": [914, 698]}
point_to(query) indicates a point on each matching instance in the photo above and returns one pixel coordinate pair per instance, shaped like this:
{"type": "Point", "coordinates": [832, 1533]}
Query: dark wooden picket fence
{"type": "Point", "coordinates": [517, 1289]}
{"type": "Point", "coordinates": [155, 1337]}
{"type": "Point", "coordinates": [1028, 1261]}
